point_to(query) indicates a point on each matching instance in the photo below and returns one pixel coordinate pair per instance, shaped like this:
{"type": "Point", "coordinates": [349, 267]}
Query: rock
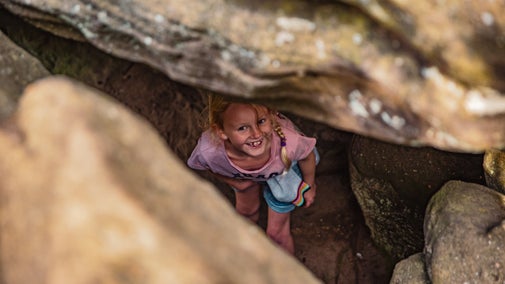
{"type": "Point", "coordinates": [408, 74]}
{"type": "Point", "coordinates": [465, 235]}
{"type": "Point", "coordinates": [494, 169]}
{"type": "Point", "coordinates": [410, 270]}
{"type": "Point", "coordinates": [90, 193]}
{"type": "Point", "coordinates": [172, 108]}
{"type": "Point", "coordinates": [394, 183]}
{"type": "Point", "coordinates": [423, 74]}
{"type": "Point", "coordinates": [17, 69]}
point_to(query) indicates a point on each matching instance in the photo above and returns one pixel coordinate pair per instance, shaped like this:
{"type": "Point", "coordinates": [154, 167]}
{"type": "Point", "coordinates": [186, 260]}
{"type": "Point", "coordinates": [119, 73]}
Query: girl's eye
{"type": "Point", "coordinates": [262, 121]}
{"type": "Point", "coordinates": [242, 128]}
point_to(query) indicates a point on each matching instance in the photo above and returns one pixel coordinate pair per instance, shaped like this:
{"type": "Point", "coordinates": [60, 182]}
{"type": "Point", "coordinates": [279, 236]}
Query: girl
{"type": "Point", "coordinates": [248, 146]}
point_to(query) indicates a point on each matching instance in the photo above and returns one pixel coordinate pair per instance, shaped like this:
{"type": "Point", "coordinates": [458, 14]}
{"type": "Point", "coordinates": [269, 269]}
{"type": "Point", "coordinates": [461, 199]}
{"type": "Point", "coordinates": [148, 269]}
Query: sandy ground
{"type": "Point", "coordinates": [331, 238]}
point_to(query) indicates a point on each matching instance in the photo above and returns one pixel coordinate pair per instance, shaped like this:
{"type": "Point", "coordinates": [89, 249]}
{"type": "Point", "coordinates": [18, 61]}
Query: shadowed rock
{"type": "Point", "coordinates": [465, 235]}
{"type": "Point", "coordinates": [393, 185]}
{"type": "Point", "coordinates": [17, 69]}
{"type": "Point", "coordinates": [464, 238]}
{"type": "Point", "coordinates": [410, 270]}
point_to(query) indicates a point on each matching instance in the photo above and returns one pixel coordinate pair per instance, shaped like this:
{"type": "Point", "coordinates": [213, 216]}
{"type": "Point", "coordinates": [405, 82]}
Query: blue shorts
{"type": "Point", "coordinates": [272, 202]}
{"type": "Point", "coordinates": [276, 205]}
{"type": "Point", "coordinates": [279, 206]}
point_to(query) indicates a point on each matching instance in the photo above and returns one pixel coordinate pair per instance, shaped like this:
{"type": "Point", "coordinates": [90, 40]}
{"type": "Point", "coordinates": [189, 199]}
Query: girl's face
{"type": "Point", "coordinates": [247, 131]}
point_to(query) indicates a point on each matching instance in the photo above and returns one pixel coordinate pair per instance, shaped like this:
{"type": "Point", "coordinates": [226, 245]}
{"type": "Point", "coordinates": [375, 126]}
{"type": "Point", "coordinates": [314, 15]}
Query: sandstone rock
{"type": "Point", "coordinates": [172, 108]}
{"type": "Point", "coordinates": [17, 69]}
{"type": "Point", "coordinates": [423, 74]}
{"type": "Point", "coordinates": [410, 270]}
{"type": "Point", "coordinates": [465, 235]}
{"type": "Point", "coordinates": [393, 185]}
{"type": "Point", "coordinates": [494, 169]}
{"type": "Point", "coordinates": [90, 193]}
{"type": "Point", "coordinates": [412, 74]}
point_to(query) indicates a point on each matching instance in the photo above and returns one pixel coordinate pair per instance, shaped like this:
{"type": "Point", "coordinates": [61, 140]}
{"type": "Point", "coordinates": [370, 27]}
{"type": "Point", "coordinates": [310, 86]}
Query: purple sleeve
{"type": "Point", "coordinates": [199, 159]}
{"type": "Point", "coordinates": [304, 147]}
{"type": "Point", "coordinates": [299, 146]}
{"type": "Point", "coordinates": [196, 160]}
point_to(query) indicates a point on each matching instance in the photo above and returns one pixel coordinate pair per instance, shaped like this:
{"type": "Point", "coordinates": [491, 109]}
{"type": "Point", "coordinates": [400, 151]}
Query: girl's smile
{"type": "Point", "coordinates": [256, 143]}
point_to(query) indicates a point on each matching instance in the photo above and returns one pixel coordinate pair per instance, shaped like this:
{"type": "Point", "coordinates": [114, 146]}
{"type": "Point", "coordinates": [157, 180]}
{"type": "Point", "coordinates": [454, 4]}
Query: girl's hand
{"type": "Point", "coordinates": [310, 196]}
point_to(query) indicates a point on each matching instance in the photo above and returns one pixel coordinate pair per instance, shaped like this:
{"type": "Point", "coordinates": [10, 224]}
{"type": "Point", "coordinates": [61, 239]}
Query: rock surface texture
{"type": "Point", "coordinates": [101, 206]}
{"type": "Point", "coordinates": [464, 238]}
{"type": "Point", "coordinates": [423, 74]}
{"type": "Point", "coordinates": [418, 86]}
{"type": "Point", "coordinates": [393, 185]}
{"type": "Point", "coordinates": [17, 69]}
{"type": "Point", "coordinates": [331, 238]}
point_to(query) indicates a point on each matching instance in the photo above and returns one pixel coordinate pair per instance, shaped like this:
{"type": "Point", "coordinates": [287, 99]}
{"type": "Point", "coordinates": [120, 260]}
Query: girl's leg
{"type": "Point", "coordinates": [247, 202]}
{"type": "Point", "coordinates": [279, 229]}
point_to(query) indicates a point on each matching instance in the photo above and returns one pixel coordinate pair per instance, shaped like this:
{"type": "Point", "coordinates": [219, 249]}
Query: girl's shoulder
{"type": "Point", "coordinates": [287, 125]}
{"type": "Point", "coordinates": [297, 143]}
{"type": "Point", "coordinates": [208, 145]}
{"type": "Point", "coordinates": [209, 140]}
{"type": "Point", "coordinates": [207, 151]}
{"type": "Point", "coordinates": [285, 122]}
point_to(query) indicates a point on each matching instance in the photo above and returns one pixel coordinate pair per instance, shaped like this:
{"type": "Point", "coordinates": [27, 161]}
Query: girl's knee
{"type": "Point", "coordinates": [283, 239]}
{"type": "Point", "coordinates": [249, 212]}
{"type": "Point", "coordinates": [247, 203]}
{"type": "Point", "coordinates": [279, 235]}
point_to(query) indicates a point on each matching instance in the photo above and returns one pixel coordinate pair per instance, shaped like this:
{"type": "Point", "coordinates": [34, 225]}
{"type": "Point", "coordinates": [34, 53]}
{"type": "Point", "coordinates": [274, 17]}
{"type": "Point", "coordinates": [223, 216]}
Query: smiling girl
{"type": "Point", "coordinates": [248, 146]}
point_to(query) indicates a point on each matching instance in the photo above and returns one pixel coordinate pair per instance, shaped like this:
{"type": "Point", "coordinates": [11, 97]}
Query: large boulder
{"type": "Point", "coordinates": [414, 74]}
{"type": "Point", "coordinates": [411, 270]}
{"type": "Point", "coordinates": [90, 193]}
{"type": "Point", "coordinates": [465, 235]}
{"type": "Point", "coordinates": [464, 238]}
{"type": "Point", "coordinates": [394, 183]}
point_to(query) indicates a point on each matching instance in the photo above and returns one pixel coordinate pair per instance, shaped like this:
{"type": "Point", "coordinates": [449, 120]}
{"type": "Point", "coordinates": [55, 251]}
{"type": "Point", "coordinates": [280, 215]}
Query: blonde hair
{"type": "Point", "coordinates": [284, 152]}
{"type": "Point", "coordinates": [217, 105]}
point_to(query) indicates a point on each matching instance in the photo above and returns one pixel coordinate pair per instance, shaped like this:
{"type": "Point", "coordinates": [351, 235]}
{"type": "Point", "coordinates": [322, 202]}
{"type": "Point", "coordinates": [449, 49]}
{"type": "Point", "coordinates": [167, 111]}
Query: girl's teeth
{"type": "Point", "coordinates": [255, 144]}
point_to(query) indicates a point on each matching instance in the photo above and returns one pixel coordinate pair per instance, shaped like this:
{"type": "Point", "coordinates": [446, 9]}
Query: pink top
{"type": "Point", "coordinates": [210, 154]}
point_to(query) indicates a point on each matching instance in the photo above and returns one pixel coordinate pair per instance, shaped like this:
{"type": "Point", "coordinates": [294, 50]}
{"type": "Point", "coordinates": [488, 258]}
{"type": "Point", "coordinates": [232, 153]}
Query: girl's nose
{"type": "Point", "coordinates": [255, 132]}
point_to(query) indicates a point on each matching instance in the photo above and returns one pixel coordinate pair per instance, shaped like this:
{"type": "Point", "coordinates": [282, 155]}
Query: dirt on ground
{"type": "Point", "coordinates": [331, 238]}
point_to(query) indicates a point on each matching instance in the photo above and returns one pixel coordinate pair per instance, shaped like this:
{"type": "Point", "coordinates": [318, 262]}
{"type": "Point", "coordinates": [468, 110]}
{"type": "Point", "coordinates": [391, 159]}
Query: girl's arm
{"type": "Point", "coordinates": [308, 169]}
{"type": "Point", "coordinates": [238, 184]}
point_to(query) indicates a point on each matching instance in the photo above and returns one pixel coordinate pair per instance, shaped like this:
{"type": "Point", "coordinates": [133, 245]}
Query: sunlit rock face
{"type": "Point", "coordinates": [494, 169]}
{"type": "Point", "coordinates": [415, 74]}
{"type": "Point", "coordinates": [91, 194]}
